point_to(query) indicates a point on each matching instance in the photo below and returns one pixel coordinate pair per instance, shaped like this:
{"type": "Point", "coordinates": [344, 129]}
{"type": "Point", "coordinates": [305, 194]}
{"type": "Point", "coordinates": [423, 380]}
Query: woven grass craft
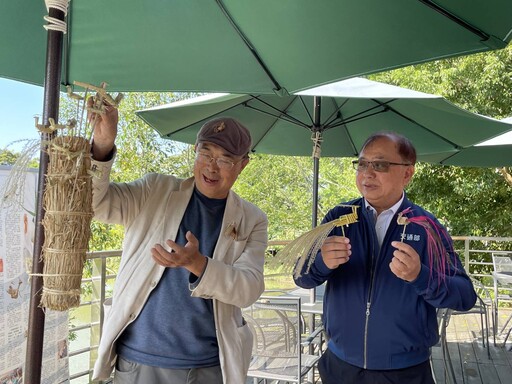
{"type": "Point", "coordinates": [67, 201]}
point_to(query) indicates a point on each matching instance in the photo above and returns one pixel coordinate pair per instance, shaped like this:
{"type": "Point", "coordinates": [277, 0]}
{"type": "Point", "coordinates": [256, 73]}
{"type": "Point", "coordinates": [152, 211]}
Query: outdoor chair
{"type": "Point", "coordinates": [280, 349]}
{"type": "Point", "coordinates": [484, 306]}
{"type": "Point", "coordinates": [502, 276]}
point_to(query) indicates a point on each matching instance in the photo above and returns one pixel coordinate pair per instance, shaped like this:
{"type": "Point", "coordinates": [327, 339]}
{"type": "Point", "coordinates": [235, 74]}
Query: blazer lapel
{"type": "Point", "coordinates": [230, 230]}
{"type": "Point", "coordinates": [177, 203]}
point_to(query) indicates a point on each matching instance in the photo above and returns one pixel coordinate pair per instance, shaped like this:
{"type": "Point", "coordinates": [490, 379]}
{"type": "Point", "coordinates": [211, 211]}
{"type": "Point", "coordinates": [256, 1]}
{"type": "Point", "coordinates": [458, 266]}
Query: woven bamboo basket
{"type": "Point", "coordinates": [67, 201]}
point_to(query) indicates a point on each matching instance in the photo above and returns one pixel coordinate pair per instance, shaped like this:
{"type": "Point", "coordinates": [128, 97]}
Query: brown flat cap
{"type": "Point", "coordinates": [227, 133]}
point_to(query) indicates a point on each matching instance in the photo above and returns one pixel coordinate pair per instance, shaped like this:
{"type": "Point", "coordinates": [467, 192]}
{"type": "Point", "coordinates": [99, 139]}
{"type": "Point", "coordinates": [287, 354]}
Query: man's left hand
{"type": "Point", "coordinates": [187, 256]}
{"type": "Point", "coordinates": [406, 263]}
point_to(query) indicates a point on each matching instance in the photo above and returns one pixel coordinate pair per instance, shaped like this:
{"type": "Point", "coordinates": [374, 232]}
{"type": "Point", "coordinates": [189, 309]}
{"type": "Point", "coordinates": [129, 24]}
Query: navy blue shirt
{"type": "Point", "coordinates": [174, 329]}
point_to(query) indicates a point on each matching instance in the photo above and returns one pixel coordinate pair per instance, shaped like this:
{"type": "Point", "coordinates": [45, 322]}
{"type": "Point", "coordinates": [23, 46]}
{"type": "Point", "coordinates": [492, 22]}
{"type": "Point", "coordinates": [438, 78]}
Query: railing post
{"type": "Point", "coordinates": [466, 254]}
{"type": "Point", "coordinates": [99, 271]}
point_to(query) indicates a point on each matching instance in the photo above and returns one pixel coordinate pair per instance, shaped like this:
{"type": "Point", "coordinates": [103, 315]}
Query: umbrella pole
{"type": "Point", "coordinates": [35, 337]}
{"type": "Point", "coordinates": [317, 142]}
{"type": "Point", "coordinates": [316, 170]}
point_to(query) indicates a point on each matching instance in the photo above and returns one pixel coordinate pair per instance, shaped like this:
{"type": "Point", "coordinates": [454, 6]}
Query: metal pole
{"type": "Point", "coordinates": [36, 319]}
{"type": "Point", "coordinates": [317, 101]}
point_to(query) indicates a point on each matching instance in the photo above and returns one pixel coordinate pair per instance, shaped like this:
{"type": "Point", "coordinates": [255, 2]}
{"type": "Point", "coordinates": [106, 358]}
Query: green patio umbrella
{"type": "Point", "coordinates": [333, 120]}
{"type": "Point", "coordinates": [244, 46]}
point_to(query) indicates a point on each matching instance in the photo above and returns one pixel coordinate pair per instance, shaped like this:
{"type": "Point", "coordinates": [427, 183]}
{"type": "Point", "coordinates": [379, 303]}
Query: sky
{"type": "Point", "coordinates": [20, 102]}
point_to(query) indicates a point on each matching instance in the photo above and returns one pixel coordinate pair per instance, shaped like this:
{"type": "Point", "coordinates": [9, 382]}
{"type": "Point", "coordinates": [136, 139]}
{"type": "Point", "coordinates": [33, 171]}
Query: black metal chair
{"type": "Point", "coordinates": [484, 306]}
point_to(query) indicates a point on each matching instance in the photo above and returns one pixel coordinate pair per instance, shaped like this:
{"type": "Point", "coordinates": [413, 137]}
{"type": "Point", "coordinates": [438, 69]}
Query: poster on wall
{"type": "Point", "coordinates": [17, 228]}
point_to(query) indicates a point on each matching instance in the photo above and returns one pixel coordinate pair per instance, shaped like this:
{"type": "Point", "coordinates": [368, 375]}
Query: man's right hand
{"type": "Point", "coordinates": [105, 130]}
{"type": "Point", "coordinates": [336, 251]}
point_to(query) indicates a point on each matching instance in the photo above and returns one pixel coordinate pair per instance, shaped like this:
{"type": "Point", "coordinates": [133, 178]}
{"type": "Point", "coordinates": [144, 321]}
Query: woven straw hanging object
{"type": "Point", "coordinates": [67, 201]}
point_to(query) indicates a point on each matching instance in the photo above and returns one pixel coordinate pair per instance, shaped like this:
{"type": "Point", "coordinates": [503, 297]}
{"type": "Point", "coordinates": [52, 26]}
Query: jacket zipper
{"type": "Point", "coordinates": [369, 303]}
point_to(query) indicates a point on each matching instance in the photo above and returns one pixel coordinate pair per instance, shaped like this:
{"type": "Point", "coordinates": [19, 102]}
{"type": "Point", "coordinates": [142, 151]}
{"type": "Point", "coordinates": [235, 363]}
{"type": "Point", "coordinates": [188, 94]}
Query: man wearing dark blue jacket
{"type": "Point", "coordinates": [383, 283]}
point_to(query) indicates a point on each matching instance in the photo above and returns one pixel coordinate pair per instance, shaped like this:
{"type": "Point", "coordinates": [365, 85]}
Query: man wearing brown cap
{"type": "Point", "coordinates": [193, 255]}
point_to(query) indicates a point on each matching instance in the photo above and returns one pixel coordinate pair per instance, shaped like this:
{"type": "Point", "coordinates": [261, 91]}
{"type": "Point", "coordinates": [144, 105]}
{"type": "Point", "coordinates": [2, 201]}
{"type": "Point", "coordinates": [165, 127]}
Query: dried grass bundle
{"type": "Point", "coordinates": [67, 201]}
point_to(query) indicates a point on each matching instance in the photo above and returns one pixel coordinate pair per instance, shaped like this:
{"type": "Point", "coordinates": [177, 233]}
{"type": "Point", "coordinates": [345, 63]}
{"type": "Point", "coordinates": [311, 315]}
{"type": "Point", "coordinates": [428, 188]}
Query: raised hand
{"type": "Point", "coordinates": [406, 262]}
{"type": "Point", "coordinates": [187, 256]}
{"type": "Point", "coordinates": [105, 129]}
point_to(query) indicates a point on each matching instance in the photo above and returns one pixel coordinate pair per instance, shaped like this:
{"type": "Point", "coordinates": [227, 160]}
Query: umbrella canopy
{"type": "Point", "coordinates": [488, 156]}
{"type": "Point", "coordinates": [491, 153]}
{"type": "Point", "coordinates": [244, 46]}
{"type": "Point", "coordinates": [350, 111]}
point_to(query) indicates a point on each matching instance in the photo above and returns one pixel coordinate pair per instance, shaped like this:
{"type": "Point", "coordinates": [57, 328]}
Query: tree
{"type": "Point", "coordinates": [7, 157]}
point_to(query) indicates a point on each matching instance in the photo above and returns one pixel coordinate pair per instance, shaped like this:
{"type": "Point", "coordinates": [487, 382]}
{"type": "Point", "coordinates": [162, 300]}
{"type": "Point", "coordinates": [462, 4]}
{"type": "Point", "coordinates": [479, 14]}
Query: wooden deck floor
{"type": "Point", "coordinates": [471, 363]}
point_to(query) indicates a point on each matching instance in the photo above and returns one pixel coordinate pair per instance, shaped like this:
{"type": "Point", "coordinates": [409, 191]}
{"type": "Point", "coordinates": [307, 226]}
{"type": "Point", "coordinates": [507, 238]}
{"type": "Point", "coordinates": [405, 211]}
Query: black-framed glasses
{"type": "Point", "coordinates": [377, 165]}
{"type": "Point", "coordinates": [221, 162]}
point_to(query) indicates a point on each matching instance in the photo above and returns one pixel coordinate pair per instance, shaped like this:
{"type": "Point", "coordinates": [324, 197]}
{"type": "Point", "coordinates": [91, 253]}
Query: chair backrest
{"type": "Point", "coordinates": [502, 261]}
{"type": "Point", "coordinates": [443, 319]}
{"type": "Point", "coordinates": [276, 324]}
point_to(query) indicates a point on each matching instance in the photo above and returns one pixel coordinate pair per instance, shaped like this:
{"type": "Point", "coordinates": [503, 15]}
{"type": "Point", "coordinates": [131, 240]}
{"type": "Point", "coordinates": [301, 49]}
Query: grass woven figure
{"type": "Point", "coordinates": [308, 244]}
{"type": "Point", "coordinates": [67, 201]}
{"type": "Point", "coordinates": [438, 257]}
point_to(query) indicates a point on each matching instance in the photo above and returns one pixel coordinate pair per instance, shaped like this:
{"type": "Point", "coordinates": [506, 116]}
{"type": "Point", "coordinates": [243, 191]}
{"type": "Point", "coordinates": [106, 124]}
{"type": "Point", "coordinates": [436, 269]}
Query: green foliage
{"type": "Point", "coordinates": [469, 201]}
{"type": "Point", "coordinates": [105, 237]}
{"type": "Point", "coordinates": [7, 157]}
{"type": "Point", "coordinates": [140, 149]}
{"type": "Point", "coordinates": [282, 187]}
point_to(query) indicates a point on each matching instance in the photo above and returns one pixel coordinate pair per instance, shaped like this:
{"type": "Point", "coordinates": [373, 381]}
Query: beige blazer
{"type": "Point", "coordinates": [151, 209]}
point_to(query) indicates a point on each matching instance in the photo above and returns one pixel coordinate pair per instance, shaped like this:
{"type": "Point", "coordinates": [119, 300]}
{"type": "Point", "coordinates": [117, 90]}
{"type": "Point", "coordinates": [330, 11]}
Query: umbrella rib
{"type": "Point", "coordinates": [281, 114]}
{"type": "Point", "coordinates": [365, 114]}
{"type": "Point", "coordinates": [389, 108]}
{"type": "Point", "coordinates": [201, 120]}
{"type": "Point", "coordinates": [484, 36]}
{"type": "Point", "coordinates": [442, 162]}
{"type": "Point", "coordinates": [306, 109]}
{"type": "Point", "coordinates": [335, 115]}
{"type": "Point", "coordinates": [278, 89]}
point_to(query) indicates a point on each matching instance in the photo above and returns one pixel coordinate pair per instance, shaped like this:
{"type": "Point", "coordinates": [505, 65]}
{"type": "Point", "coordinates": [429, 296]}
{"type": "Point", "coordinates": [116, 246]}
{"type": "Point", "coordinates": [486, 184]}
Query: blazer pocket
{"type": "Point", "coordinates": [246, 339]}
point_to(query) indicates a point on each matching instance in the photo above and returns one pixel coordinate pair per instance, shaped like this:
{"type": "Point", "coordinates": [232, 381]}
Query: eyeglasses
{"type": "Point", "coordinates": [377, 165]}
{"type": "Point", "coordinates": [222, 163]}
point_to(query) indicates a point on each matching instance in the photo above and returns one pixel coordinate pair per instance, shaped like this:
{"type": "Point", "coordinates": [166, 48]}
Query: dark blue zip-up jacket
{"type": "Point", "coordinates": [373, 319]}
